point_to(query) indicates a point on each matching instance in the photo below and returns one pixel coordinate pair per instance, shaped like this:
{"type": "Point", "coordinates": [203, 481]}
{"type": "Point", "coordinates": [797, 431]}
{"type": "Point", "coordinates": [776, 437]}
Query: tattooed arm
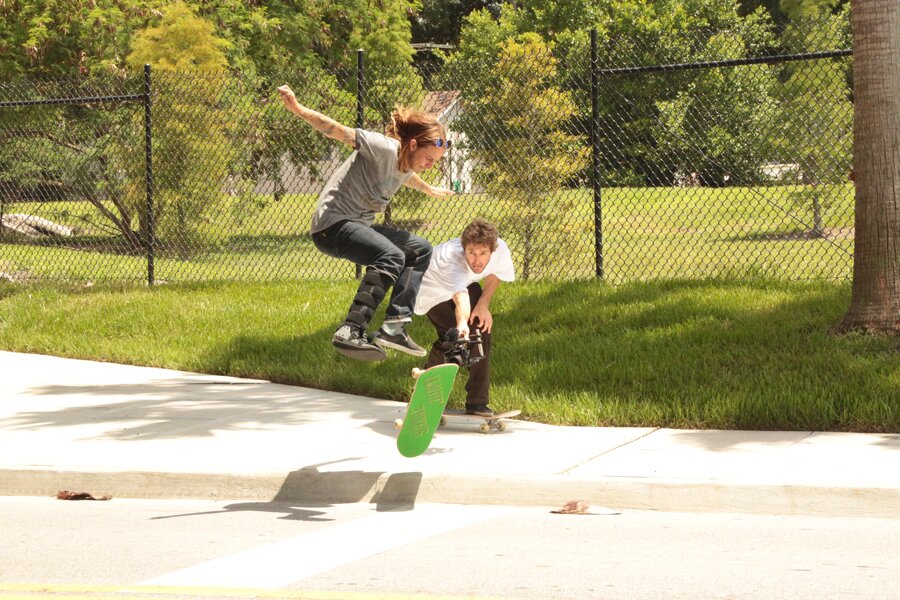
{"type": "Point", "coordinates": [417, 183]}
{"type": "Point", "coordinates": [321, 123]}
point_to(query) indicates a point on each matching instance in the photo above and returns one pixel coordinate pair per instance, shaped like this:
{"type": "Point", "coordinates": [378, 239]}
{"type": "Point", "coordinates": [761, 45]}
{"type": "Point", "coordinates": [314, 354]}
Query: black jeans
{"type": "Point", "coordinates": [443, 317]}
{"type": "Point", "coordinates": [400, 255]}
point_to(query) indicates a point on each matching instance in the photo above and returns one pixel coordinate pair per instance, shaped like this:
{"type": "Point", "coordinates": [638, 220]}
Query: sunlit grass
{"type": "Point", "coordinates": [714, 354]}
{"type": "Point", "coordinates": [648, 233]}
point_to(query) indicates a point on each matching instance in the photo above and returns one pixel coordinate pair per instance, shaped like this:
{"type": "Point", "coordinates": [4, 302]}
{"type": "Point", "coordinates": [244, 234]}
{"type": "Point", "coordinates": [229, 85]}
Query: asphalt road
{"type": "Point", "coordinates": [174, 549]}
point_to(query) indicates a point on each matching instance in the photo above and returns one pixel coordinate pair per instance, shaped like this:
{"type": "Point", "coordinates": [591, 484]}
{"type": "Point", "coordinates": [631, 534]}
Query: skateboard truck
{"type": "Point", "coordinates": [464, 352]}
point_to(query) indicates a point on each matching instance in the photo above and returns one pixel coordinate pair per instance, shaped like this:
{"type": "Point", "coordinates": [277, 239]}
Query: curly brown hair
{"type": "Point", "coordinates": [480, 231]}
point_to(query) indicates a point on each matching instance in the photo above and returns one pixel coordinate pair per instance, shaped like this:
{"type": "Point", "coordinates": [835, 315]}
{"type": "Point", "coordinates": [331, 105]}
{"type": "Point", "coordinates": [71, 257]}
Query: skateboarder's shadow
{"type": "Point", "coordinates": [310, 488]}
{"type": "Point", "coordinates": [291, 513]}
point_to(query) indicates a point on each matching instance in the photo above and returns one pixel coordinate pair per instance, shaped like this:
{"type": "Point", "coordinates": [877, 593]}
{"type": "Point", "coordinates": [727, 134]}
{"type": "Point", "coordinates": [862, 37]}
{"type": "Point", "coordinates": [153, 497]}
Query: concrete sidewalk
{"type": "Point", "coordinates": [153, 433]}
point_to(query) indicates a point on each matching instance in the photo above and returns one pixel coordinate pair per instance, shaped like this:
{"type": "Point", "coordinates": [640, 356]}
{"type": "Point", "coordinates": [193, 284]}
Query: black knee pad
{"type": "Point", "coordinates": [372, 290]}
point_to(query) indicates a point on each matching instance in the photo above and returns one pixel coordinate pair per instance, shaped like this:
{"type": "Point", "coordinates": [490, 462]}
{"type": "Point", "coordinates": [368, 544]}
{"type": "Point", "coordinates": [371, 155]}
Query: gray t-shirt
{"type": "Point", "coordinates": [363, 184]}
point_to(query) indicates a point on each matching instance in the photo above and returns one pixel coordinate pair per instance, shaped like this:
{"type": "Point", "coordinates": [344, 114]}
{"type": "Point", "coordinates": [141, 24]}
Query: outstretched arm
{"type": "Point", "coordinates": [417, 183]}
{"type": "Point", "coordinates": [321, 123]}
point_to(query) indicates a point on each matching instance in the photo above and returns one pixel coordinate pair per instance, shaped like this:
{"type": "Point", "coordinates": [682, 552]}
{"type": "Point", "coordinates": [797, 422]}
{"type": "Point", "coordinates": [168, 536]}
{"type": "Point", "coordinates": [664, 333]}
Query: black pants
{"type": "Point", "coordinates": [401, 256]}
{"type": "Point", "coordinates": [443, 317]}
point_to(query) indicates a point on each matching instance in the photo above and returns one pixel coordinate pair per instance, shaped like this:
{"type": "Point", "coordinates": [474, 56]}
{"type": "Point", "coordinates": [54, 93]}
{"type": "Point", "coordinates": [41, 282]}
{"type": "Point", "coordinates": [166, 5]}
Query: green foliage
{"type": "Point", "coordinates": [190, 119]}
{"type": "Point", "coordinates": [525, 112]}
{"type": "Point", "coordinates": [386, 89]}
{"type": "Point", "coordinates": [68, 37]}
{"type": "Point", "coordinates": [716, 125]}
{"type": "Point", "coordinates": [651, 125]}
{"type": "Point", "coordinates": [292, 35]}
{"type": "Point", "coordinates": [517, 134]}
{"type": "Point", "coordinates": [440, 21]}
{"type": "Point", "coordinates": [182, 42]}
{"type": "Point", "coordinates": [260, 41]}
{"type": "Point", "coordinates": [804, 9]}
{"type": "Point", "coordinates": [65, 37]}
{"type": "Point", "coordinates": [384, 31]}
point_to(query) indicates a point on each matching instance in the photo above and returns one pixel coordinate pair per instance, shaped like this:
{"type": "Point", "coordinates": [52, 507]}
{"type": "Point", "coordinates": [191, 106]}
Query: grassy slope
{"type": "Point", "coordinates": [747, 355]}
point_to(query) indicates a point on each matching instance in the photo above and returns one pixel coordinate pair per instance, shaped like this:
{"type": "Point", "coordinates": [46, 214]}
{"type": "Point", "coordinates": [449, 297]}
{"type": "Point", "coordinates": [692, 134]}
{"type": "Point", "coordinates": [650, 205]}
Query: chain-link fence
{"type": "Point", "coordinates": [723, 155]}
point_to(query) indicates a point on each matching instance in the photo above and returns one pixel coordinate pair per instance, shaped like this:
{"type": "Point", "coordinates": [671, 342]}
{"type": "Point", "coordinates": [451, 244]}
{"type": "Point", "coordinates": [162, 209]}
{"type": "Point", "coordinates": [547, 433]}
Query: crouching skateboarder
{"type": "Point", "coordinates": [452, 298]}
{"type": "Point", "coordinates": [342, 225]}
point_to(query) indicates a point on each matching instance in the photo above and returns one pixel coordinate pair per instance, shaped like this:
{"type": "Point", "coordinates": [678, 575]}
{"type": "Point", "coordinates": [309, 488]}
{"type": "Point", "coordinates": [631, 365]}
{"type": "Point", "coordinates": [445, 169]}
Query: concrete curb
{"type": "Point", "coordinates": [313, 488]}
{"type": "Point", "coordinates": [137, 432]}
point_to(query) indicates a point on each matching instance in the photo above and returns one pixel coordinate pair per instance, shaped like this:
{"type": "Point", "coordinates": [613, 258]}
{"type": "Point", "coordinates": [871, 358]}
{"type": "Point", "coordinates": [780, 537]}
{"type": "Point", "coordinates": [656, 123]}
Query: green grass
{"type": "Point", "coordinates": [648, 233]}
{"type": "Point", "coordinates": [709, 354]}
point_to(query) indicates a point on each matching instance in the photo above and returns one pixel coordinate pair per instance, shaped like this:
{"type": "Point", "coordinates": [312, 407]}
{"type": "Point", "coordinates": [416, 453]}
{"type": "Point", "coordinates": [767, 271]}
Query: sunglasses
{"type": "Point", "coordinates": [442, 143]}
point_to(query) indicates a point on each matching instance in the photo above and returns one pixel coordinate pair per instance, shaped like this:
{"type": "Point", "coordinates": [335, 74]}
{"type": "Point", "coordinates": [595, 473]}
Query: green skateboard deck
{"type": "Point", "coordinates": [426, 405]}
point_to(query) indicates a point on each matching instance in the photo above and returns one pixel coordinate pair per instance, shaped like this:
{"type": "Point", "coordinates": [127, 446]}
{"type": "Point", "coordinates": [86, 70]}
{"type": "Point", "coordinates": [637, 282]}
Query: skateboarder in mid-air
{"type": "Point", "coordinates": [342, 225]}
{"type": "Point", "coordinates": [452, 298]}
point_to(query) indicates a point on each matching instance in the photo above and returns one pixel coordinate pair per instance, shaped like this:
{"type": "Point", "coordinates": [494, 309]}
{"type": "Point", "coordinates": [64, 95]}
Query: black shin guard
{"type": "Point", "coordinates": [372, 290]}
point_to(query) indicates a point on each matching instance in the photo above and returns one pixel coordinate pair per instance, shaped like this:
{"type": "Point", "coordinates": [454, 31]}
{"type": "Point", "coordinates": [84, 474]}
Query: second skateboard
{"type": "Point", "coordinates": [498, 421]}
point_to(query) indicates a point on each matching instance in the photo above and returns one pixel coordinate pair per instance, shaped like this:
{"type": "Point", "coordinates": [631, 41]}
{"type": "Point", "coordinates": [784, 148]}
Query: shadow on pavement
{"type": "Point", "coordinates": [299, 494]}
{"type": "Point", "coordinates": [175, 408]}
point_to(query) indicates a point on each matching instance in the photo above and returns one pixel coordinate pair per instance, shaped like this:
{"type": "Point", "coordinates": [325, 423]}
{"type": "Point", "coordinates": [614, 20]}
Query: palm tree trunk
{"type": "Point", "coordinates": [875, 304]}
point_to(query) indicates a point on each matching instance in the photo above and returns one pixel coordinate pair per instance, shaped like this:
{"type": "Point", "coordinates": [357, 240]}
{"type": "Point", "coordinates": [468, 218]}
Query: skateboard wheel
{"type": "Point", "coordinates": [398, 423]}
{"type": "Point", "coordinates": [443, 420]}
{"type": "Point", "coordinates": [501, 426]}
{"type": "Point", "coordinates": [484, 428]}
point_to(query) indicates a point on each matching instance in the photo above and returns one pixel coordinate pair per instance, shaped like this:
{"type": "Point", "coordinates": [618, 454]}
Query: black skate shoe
{"type": "Point", "coordinates": [479, 410]}
{"type": "Point", "coordinates": [399, 341]}
{"type": "Point", "coordinates": [351, 341]}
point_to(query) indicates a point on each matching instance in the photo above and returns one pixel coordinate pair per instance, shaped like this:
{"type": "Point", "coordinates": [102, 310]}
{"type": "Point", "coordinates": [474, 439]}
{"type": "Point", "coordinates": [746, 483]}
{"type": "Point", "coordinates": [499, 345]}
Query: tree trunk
{"type": "Point", "coordinates": [875, 304]}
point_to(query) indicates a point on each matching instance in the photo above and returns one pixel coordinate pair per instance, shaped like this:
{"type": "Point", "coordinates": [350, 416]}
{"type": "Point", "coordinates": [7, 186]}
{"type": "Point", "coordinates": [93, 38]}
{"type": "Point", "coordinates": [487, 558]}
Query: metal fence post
{"type": "Point", "coordinates": [595, 159]}
{"type": "Point", "coordinates": [360, 106]}
{"type": "Point", "coordinates": [148, 138]}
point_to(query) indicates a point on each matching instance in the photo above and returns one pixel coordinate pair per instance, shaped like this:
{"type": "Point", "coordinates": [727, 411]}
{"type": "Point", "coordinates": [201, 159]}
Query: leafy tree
{"type": "Point", "coordinates": [440, 21]}
{"type": "Point", "coordinates": [716, 125]}
{"type": "Point", "coordinates": [783, 11]}
{"type": "Point", "coordinates": [56, 37]}
{"type": "Point", "coordinates": [69, 37]}
{"type": "Point", "coordinates": [633, 108]}
{"type": "Point", "coordinates": [190, 120]}
{"type": "Point", "coordinates": [524, 153]}
{"type": "Point", "coordinates": [72, 150]}
{"type": "Point", "coordinates": [806, 9]}
{"type": "Point", "coordinates": [713, 102]}
{"type": "Point", "coordinates": [470, 69]}
{"type": "Point", "coordinates": [264, 45]}
{"type": "Point", "coordinates": [182, 42]}
{"type": "Point", "coordinates": [289, 35]}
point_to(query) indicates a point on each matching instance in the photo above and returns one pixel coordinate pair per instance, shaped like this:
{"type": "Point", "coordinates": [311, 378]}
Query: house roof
{"type": "Point", "coordinates": [439, 102]}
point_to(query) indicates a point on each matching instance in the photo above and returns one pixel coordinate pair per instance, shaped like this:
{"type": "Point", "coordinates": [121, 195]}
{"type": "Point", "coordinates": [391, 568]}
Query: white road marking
{"type": "Point", "coordinates": [290, 560]}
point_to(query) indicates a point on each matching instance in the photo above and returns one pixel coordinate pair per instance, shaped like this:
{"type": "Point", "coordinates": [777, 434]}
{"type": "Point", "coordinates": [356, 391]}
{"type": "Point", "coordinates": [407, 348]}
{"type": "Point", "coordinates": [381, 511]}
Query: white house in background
{"type": "Point", "coordinates": [456, 168]}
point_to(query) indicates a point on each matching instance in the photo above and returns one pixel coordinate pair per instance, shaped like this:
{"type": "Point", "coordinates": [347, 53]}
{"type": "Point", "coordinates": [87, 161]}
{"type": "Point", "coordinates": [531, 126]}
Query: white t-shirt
{"type": "Point", "coordinates": [449, 273]}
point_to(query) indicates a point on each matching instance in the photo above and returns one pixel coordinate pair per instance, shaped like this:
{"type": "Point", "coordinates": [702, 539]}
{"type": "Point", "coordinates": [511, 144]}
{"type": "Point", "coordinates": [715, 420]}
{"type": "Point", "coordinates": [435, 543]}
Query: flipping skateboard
{"type": "Point", "coordinates": [496, 421]}
{"type": "Point", "coordinates": [426, 405]}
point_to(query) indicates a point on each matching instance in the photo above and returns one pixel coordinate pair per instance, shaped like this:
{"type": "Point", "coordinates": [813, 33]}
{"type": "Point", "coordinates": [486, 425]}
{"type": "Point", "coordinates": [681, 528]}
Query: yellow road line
{"type": "Point", "coordinates": [29, 591]}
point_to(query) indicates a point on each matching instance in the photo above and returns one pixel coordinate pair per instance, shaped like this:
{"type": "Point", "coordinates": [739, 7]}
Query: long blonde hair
{"type": "Point", "coordinates": [407, 125]}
